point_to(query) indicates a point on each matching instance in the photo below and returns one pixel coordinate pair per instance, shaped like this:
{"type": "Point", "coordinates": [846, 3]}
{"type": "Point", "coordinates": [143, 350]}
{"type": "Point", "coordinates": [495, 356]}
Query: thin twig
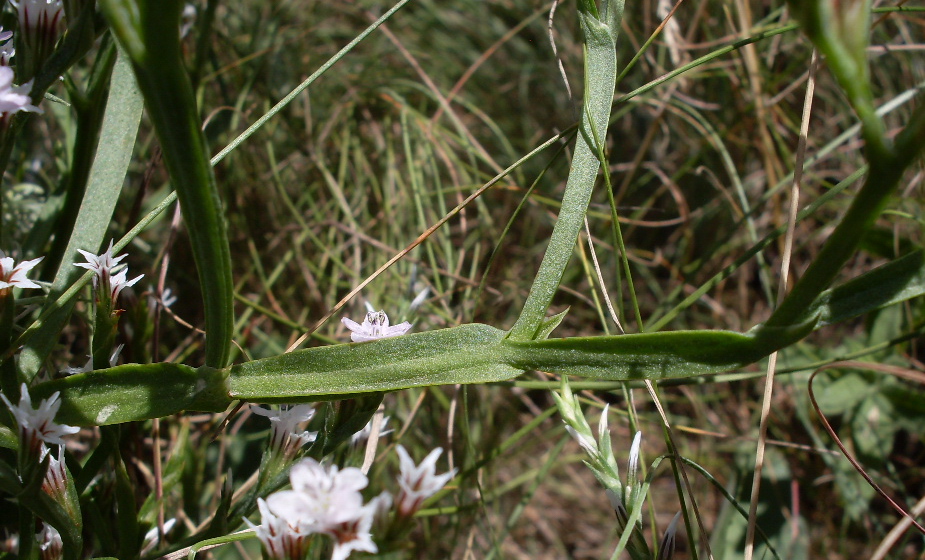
{"type": "Point", "coordinates": [781, 292]}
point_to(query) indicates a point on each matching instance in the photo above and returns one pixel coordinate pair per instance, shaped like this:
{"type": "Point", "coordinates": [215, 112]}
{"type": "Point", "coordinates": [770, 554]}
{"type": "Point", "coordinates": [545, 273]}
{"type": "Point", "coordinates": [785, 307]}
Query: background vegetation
{"type": "Point", "coordinates": [431, 107]}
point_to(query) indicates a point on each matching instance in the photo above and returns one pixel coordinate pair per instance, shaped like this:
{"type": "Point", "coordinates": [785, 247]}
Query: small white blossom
{"type": "Point", "coordinates": [14, 275]}
{"type": "Point", "coordinates": [355, 534]}
{"type": "Point", "coordinates": [37, 425]}
{"type": "Point", "coordinates": [119, 283]}
{"type": "Point", "coordinates": [51, 547]}
{"type": "Point", "coordinates": [14, 98]}
{"type": "Point", "coordinates": [152, 537]}
{"type": "Point", "coordinates": [41, 22]}
{"type": "Point", "coordinates": [88, 365]}
{"type": "Point", "coordinates": [285, 437]}
{"type": "Point", "coordinates": [368, 430]}
{"type": "Point", "coordinates": [101, 264]}
{"type": "Point", "coordinates": [282, 540]}
{"type": "Point", "coordinates": [374, 327]}
{"type": "Point", "coordinates": [321, 498]}
{"type": "Point", "coordinates": [418, 482]}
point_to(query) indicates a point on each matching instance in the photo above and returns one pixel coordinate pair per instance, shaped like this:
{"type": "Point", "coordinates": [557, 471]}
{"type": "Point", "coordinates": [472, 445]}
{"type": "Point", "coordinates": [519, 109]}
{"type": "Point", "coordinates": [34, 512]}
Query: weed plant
{"type": "Point", "coordinates": [700, 222]}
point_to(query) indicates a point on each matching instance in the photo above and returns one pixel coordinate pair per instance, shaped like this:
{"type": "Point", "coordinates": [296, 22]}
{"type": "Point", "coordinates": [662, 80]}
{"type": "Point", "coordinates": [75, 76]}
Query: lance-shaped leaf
{"type": "Point", "coordinates": [149, 32]}
{"type": "Point", "coordinates": [471, 353]}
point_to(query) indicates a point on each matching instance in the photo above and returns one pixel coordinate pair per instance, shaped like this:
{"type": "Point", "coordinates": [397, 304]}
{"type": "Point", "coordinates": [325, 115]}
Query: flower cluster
{"type": "Point", "coordinates": [323, 500]}
{"type": "Point", "coordinates": [328, 501]}
{"type": "Point", "coordinates": [374, 327]}
{"type": "Point", "coordinates": [36, 425]}
{"type": "Point", "coordinates": [102, 265]}
{"type": "Point", "coordinates": [285, 437]}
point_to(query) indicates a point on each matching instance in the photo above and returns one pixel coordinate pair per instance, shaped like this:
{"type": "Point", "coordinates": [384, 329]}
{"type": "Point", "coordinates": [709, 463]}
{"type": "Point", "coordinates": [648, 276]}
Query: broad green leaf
{"type": "Point", "coordinates": [466, 354]}
{"type": "Point", "coordinates": [117, 140]}
{"type": "Point", "coordinates": [896, 281]}
{"type": "Point", "coordinates": [135, 392]}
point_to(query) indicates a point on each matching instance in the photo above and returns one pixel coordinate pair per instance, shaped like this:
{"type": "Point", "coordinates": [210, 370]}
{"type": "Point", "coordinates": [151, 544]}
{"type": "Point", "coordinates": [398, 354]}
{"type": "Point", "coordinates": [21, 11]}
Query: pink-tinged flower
{"type": "Point", "coordinates": [55, 481]}
{"type": "Point", "coordinates": [37, 425]}
{"type": "Point", "coordinates": [322, 500]}
{"type": "Point", "coordinates": [119, 282]}
{"type": "Point", "coordinates": [418, 482]}
{"type": "Point", "coordinates": [14, 275]}
{"type": "Point", "coordinates": [51, 547]}
{"type": "Point", "coordinates": [41, 23]}
{"type": "Point", "coordinates": [102, 265]}
{"type": "Point", "coordinates": [281, 539]}
{"type": "Point", "coordinates": [7, 49]}
{"type": "Point", "coordinates": [355, 534]}
{"type": "Point", "coordinates": [374, 327]}
{"type": "Point", "coordinates": [285, 437]}
{"type": "Point", "coordinates": [14, 98]}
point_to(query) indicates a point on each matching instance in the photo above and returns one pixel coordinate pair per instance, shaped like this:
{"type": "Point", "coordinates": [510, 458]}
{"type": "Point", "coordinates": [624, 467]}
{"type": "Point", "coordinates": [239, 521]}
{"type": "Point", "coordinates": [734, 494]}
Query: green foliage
{"type": "Point", "coordinates": [341, 170]}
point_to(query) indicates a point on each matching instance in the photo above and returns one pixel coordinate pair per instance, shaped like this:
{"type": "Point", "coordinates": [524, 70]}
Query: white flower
{"type": "Point", "coordinates": [101, 264]}
{"type": "Point", "coordinates": [368, 430]}
{"type": "Point", "coordinates": [37, 425]}
{"type": "Point", "coordinates": [119, 283]}
{"type": "Point", "coordinates": [88, 365]}
{"type": "Point", "coordinates": [12, 274]}
{"type": "Point", "coordinates": [418, 482]}
{"type": "Point", "coordinates": [281, 539]}
{"type": "Point", "coordinates": [33, 13]}
{"type": "Point", "coordinates": [14, 98]}
{"type": "Point", "coordinates": [50, 544]}
{"type": "Point", "coordinates": [321, 498]}
{"type": "Point", "coordinates": [375, 326]}
{"type": "Point", "coordinates": [152, 537]}
{"type": "Point", "coordinates": [355, 534]}
{"type": "Point", "coordinates": [41, 22]}
{"type": "Point", "coordinates": [285, 437]}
